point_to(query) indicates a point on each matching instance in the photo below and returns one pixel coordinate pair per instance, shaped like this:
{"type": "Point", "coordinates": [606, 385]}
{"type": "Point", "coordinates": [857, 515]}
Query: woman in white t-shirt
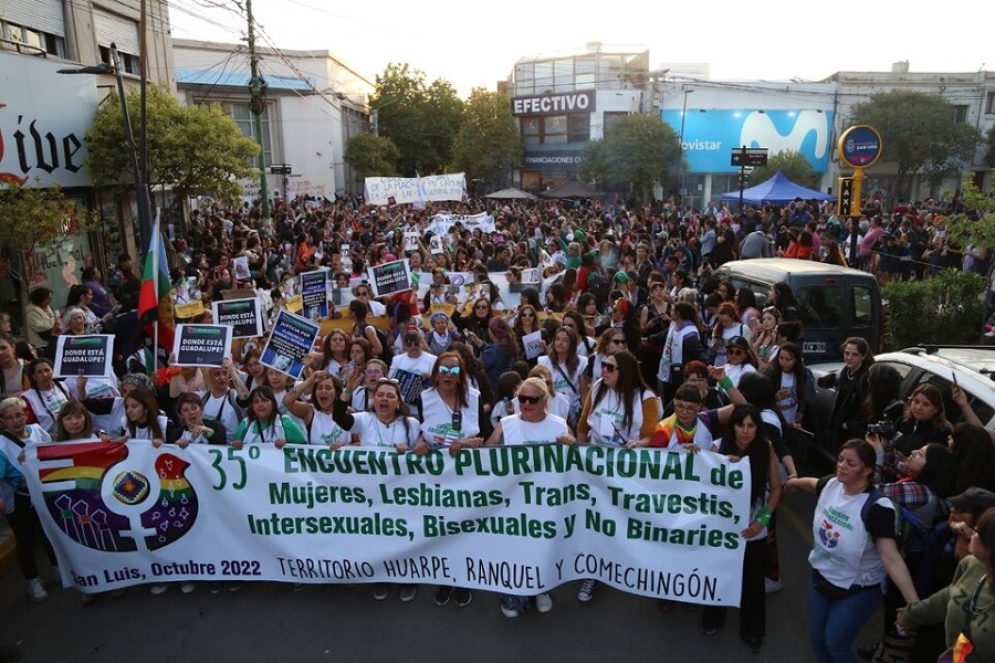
{"type": "Point", "coordinates": [533, 425]}
{"type": "Point", "coordinates": [567, 368]}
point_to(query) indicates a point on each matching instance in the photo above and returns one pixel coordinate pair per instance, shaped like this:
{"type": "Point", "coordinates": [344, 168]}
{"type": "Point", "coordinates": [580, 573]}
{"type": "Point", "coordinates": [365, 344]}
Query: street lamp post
{"type": "Point", "coordinates": [680, 149]}
{"type": "Point", "coordinates": [137, 168]}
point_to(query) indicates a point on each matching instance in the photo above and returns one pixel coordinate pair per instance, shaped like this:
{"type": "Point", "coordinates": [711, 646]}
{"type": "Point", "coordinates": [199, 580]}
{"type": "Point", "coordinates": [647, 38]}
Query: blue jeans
{"type": "Point", "coordinates": [835, 623]}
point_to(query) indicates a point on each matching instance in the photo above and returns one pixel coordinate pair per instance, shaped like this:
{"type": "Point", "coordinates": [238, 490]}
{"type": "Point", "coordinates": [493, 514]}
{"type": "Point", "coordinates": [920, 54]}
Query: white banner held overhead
{"type": "Point", "coordinates": [518, 520]}
{"type": "Point", "coordinates": [379, 190]}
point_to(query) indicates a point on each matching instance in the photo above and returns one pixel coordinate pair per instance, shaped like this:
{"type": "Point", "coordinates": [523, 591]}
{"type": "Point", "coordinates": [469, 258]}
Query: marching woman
{"type": "Point", "coordinates": [74, 423]}
{"type": "Point", "coordinates": [568, 369]}
{"type": "Point", "coordinates": [619, 407]}
{"type": "Point", "coordinates": [221, 397]}
{"type": "Point", "coordinates": [533, 425]}
{"type": "Point", "coordinates": [854, 550]}
{"type": "Point", "coordinates": [45, 397]}
{"type": "Point", "coordinates": [194, 428]}
{"type": "Point", "coordinates": [266, 424]}
{"type": "Point", "coordinates": [526, 322]}
{"type": "Point", "coordinates": [142, 418]}
{"type": "Point", "coordinates": [366, 385]}
{"type": "Point", "coordinates": [681, 345]}
{"type": "Point", "coordinates": [21, 515]}
{"type": "Point", "coordinates": [334, 353]}
{"type": "Point", "coordinates": [317, 415]}
{"type": "Point", "coordinates": [442, 335]}
{"type": "Point", "coordinates": [747, 439]}
{"type": "Point", "coordinates": [388, 425]}
{"type": "Point", "coordinates": [451, 417]}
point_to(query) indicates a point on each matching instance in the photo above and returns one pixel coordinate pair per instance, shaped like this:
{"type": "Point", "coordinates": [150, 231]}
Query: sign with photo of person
{"type": "Point", "coordinates": [291, 339]}
{"type": "Point", "coordinates": [314, 294]}
{"type": "Point", "coordinates": [186, 298]}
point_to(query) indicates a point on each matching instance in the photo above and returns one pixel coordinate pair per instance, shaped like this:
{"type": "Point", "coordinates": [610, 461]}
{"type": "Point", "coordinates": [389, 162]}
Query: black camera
{"type": "Point", "coordinates": [882, 428]}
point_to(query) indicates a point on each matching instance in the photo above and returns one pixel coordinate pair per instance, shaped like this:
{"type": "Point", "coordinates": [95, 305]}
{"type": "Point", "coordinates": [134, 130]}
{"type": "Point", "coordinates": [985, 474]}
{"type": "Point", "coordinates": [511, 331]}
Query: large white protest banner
{"type": "Point", "coordinates": [516, 519]}
{"type": "Point", "coordinates": [379, 190]}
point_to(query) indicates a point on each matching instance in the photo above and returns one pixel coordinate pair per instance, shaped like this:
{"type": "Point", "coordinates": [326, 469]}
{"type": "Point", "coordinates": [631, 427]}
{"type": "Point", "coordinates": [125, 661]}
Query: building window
{"type": "Point", "coordinates": [960, 114]}
{"type": "Point", "coordinates": [531, 130]}
{"type": "Point", "coordinates": [990, 104]}
{"type": "Point", "coordinates": [578, 128]}
{"type": "Point", "coordinates": [246, 122]}
{"type": "Point", "coordinates": [131, 64]}
{"type": "Point", "coordinates": [43, 41]}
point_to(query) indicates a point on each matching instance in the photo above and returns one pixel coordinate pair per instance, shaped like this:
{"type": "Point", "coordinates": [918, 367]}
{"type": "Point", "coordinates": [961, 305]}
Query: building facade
{"type": "Point", "coordinates": [314, 104]}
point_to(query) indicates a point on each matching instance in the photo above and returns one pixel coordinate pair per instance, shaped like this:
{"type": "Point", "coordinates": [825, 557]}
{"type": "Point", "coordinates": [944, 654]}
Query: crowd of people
{"type": "Point", "coordinates": [637, 344]}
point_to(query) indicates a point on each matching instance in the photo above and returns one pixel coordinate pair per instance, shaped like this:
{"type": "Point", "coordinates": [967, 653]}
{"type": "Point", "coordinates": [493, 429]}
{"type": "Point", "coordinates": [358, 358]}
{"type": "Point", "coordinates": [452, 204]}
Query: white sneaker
{"type": "Point", "coordinates": [188, 587]}
{"type": "Point", "coordinates": [544, 602]}
{"type": "Point", "coordinates": [36, 590]}
{"type": "Point", "coordinates": [586, 592]}
{"type": "Point", "coordinates": [771, 586]}
{"type": "Point", "coordinates": [156, 590]}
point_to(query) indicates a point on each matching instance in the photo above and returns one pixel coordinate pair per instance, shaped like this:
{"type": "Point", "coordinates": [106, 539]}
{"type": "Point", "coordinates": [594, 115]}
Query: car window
{"type": "Point", "coordinates": [759, 291]}
{"type": "Point", "coordinates": [862, 305]}
{"type": "Point", "coordinates": [821, 306]}
{"type": "Point", "coordinates": [903, 369]}
{"type": "Point", "coordinates": [980, 407]}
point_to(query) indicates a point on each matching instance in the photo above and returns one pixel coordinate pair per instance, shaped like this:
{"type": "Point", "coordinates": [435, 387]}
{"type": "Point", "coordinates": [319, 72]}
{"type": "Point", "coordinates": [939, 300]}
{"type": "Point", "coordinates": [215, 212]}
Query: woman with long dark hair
{"type": "Point", "coordinates": [746, 439]}
{"type": "Point", "coordinates": [568, 369]}
{"type": "Point", "coordinates": [265, 424]}
{"type": "Point", "coordinates": [851, 387]}
{"type": "Point", "coordinates": [316, 413]}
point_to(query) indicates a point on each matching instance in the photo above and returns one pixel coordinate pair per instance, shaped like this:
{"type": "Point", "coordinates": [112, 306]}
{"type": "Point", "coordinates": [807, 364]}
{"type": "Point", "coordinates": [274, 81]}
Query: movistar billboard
{"type": "Point", "coordinates": [710, 135]}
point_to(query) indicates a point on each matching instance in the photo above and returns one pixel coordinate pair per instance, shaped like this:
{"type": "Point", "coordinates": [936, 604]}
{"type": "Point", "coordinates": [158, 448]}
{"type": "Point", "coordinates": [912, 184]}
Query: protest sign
{"type": "Point", "coordinates": [533, 345]}
{"type": "Point", "coordinates": [394, 190]}
{"type": "Point", "coordinates": [88, 356]}
{"type": "Point", "coordinates": [201, 345]}
{"type": "Point", "coordinates": [435, 245]}
{"type": "Point", "coordinates": [244, 316]}
{"type": "Point", "coordinates": [241, 265]}
{"type": "Point", "coordinates": [517, 519]}
{"type": "Point", "coordinates": [290, 341]}
{"type": "Point", "coordinates": [411, 238]}
{"type": "Point", "coordinates": [186, 298]}
{"type": "Point", "coordinates": [314, 294]}
{"type": "Point", "coordinates": [411, 384]}
{"type": "Point", "coordinates": [531, 275]}
{"type": "Point", "coordinates": [390, 278]}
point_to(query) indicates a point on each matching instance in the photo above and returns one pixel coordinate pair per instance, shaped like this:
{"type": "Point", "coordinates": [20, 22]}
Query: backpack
{"type": "Point", "coordinates": [598, 286]}
{"type": "Point", "coordinates": [387, 354]}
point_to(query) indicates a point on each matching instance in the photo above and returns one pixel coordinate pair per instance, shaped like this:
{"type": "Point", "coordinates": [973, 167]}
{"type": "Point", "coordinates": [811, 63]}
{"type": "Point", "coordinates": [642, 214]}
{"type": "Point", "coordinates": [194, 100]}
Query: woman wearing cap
{"type": "Point", "coordinates": [740, 359]}
{"type": "Point", "coordinates": [854, 550]}
{"type": "Point", "coordinates": [965, 606]}
{"type": "Point", "coordinates": [533, 425]}
{"type": "Point", "coordinates": [727, 326]}
{"type": "Point", "coordinates": [442, 334]}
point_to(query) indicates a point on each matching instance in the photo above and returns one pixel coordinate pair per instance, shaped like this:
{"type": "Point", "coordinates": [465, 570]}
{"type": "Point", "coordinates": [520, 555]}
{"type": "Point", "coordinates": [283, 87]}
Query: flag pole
{"type": "Point", "coordinates": [154, 245]}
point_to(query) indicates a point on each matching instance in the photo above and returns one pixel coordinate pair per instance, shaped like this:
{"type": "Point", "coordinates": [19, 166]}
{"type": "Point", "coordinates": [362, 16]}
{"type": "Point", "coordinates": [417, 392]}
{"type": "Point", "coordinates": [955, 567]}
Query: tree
{"type": "Point", "coordinates": [794, 166]}
{"type": "Point", "coordinates": [192, 149]}
{"type": "Point", "coordinates": [637, 152]}
{"type": "Point", "coordinates": [33, 217]}
{"type": "Point", "coordinates": [920, 134]}
{"type": "Point", "coordinates": [974, 225]}
{"type": "Point", "coordinates": [372, 155]}
{"type": "Point", "coordinates": [422, 120]}
{"type": "Point", "coordinates": [487, 146]}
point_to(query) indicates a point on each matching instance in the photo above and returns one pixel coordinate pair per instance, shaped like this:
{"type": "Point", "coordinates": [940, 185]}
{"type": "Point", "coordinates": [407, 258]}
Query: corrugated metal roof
{"type": "Point", "coordinates": [216, 78]}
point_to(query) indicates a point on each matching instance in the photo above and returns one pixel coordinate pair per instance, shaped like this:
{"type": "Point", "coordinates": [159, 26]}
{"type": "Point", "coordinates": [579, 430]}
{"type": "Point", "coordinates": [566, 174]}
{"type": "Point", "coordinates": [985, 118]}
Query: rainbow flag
{"type": "Point", "coordinates": [155, 277]}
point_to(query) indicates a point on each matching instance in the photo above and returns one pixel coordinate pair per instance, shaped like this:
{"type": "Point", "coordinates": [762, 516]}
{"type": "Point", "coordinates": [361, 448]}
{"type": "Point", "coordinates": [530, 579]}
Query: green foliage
{"type": "Point", "coordinates": [637, 152]}
{"type": "Point", "coordinates": [421, 119]}
{"type": "Point", "coordinates": [794, 166]}
{"type": "Point", "coordinates": [193, 149]}
{"type": "Point", "coordinates": [919, 134]}
{"type": "Point", "coordinates": [372, 156]}
{"type": "Point", "coordinates": [32, 215]}
{"type": "Point", "coordinates": [975, 226]}
{"type": "Point", "coordinates": [947, 308]}
{"type": "Point", "coordinates": [487, 146]}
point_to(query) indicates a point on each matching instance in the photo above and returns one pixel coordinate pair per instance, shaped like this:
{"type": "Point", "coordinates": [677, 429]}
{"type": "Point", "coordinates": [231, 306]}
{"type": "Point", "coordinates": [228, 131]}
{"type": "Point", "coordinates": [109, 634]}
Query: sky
{"type": "Point", "coordinates": [477, 45]}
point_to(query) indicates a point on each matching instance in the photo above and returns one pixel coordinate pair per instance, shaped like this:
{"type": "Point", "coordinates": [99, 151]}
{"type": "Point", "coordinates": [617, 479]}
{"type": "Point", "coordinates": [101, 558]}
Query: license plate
{"type": "Point", "coordinates": [814, 347]}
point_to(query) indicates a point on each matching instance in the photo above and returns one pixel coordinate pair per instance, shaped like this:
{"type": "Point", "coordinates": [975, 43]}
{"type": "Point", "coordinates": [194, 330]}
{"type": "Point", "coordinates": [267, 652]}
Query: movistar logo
{"type": "Point", "coordinates": [759, 129]}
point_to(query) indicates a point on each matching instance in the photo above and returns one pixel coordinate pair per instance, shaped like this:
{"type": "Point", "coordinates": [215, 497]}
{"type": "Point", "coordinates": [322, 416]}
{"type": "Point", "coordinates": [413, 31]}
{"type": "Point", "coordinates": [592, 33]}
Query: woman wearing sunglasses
{"type": "Point", "coordinates": [534, 424]}
{"type": "Point", "coordinates": [451, 417]}
{"type": "Point", "coordinates": [740, 359]}
{"type": "Point", "coordinates": [619, 408]}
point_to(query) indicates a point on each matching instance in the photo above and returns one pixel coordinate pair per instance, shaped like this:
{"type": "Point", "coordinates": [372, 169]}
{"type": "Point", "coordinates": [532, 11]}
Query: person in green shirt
{"type": "Point", "coordinates": [266, 424]}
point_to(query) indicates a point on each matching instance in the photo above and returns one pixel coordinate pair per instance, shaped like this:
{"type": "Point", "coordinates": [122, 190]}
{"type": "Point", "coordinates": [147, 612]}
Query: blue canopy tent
{"type": "Point", "coordinates": [778, 190]}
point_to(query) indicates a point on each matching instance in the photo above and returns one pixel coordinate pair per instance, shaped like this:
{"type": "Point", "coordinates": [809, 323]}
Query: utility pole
{"type": "Point", "coordinates": [257, 104]}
